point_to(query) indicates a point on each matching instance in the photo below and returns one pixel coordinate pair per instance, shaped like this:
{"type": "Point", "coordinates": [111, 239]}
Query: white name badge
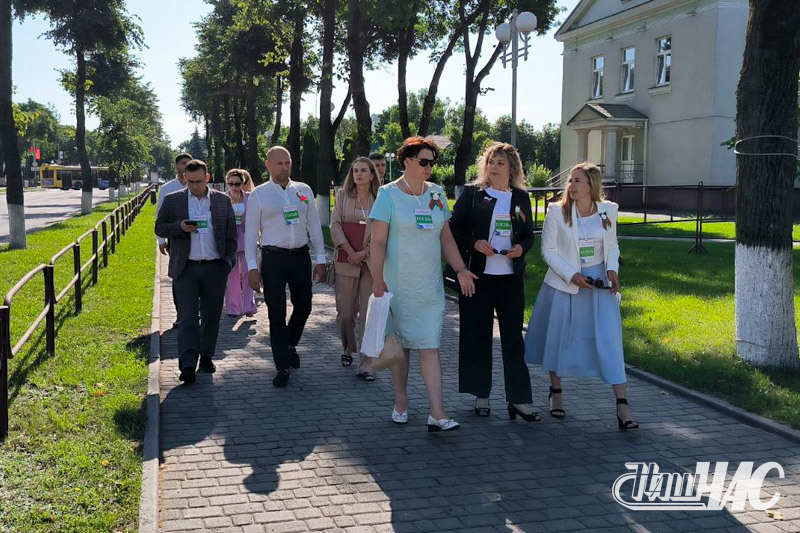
{"type": "Point", "coordinates": [586, 248]}
{"type": "Point", "coordinates": [502, 225]}
{"type": "Point", "coordinates": [291, 215]}
{"type": "Point", "coordinates": [423, 218]}
{"type": "Point", "coordinates": [238, 212]}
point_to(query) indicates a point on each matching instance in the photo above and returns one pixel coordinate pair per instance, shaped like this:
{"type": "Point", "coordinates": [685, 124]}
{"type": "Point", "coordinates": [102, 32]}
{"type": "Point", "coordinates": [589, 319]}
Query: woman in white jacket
{"type": "Point", "coordinates": [575, 327]}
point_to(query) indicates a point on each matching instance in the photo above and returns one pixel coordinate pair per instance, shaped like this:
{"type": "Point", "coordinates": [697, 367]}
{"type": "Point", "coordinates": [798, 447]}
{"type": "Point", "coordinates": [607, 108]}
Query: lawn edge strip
{"type": "Point", "coordinates": [148, 503]}
{"type": "Point", "coordinates": [729, 409]}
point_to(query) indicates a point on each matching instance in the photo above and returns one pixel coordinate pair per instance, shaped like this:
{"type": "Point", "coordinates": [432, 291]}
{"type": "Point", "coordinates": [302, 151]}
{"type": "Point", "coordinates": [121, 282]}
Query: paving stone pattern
{"type": "Point", "coordinates": [321, 455]}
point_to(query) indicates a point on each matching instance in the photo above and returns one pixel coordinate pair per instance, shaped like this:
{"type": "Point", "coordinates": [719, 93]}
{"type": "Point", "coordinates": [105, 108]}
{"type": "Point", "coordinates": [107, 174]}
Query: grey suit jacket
{"type": "Point", "coordinates": [175, 209]}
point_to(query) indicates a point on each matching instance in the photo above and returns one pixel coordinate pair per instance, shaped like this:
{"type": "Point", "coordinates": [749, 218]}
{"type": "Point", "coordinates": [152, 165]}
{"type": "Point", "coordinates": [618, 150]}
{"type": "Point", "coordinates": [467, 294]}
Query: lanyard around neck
{"type": "Point", "coordinates": [416, 197]}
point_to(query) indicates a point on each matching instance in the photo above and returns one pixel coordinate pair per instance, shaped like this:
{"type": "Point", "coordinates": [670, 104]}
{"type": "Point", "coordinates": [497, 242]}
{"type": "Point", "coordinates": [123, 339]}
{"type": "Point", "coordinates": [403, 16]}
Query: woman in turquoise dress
{"type": "Point", "coordinates": [410, 233]}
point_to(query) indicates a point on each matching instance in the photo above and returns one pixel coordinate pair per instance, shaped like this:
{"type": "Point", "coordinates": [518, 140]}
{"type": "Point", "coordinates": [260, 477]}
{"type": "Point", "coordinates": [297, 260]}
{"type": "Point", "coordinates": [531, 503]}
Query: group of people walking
{"type": "Point", "coordinates": [392, 237]}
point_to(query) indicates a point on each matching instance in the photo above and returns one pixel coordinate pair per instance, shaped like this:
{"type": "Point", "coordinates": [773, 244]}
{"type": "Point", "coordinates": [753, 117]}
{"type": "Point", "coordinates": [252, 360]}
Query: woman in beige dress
{"type": "Point", "coordinates": [350, 235]}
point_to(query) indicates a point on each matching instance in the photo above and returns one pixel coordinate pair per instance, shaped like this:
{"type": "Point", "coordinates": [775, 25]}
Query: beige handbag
{"type": "Point", "coordinates": [392, 353]}
{"type": "Point", "coordinates": [330, 275]}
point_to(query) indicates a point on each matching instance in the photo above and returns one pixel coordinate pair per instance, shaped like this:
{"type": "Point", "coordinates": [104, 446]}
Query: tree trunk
{"type": "Point", "coordinates": [209, 141]}
{"type": "Point", "coordinates": [296, 84]}
{"type": "Point", "coordinates": [433, 87]}
{"type": "Point", "coordinates": [8, 133]}
{"type": "Point", "coordinates": [472, 90]}
{"type": "Point", "coordinates": [239, 137]}
{"type": "Point", "coordinates": [80, 134]}
{"type": "Point", "coordinates": [227, 135]}
{"type": "Point", "coordinates": [219, 146]}
{"type": "Point", "coordinates": [355, 53]}
{"type": "Point", "coordinates": [253, 163]}
{"type": "Point", "coordinates": [276, 132]}
{"type": "Point", "coordinates": [326, 166]}
{"type": "Point", "coordinates": [404, 50]}
{"type": "Point", "coordinates": [766, 104]}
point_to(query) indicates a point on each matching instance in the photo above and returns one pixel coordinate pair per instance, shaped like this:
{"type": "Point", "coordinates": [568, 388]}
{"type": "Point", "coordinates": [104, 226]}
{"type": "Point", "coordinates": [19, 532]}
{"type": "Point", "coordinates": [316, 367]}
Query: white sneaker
{"type": "Point", "coordinates": [399, 418]}
{"type": "Point", "coordinates": [444, 424]}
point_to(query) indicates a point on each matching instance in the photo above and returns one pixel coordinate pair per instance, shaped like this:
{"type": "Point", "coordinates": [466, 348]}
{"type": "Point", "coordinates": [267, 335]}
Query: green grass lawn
{"type": "Point", "coordinates": [72, 460]}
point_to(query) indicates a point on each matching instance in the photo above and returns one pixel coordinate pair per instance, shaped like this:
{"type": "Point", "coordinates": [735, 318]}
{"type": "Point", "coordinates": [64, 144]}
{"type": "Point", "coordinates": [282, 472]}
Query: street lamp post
{"type": "Point", "coordinates": [389, 157]}
{"type": "Point", "coordinates": [516, 32]}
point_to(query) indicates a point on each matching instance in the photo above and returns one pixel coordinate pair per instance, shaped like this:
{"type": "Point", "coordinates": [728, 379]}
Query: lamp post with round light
{"type": "Point", "coordinates": [389, 157]}
{"type": "Point", "coordinates": [516, 32]}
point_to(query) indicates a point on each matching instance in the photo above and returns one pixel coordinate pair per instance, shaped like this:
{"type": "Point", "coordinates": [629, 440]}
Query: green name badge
{"type": "Point", "coordinates": [291, 215]}
{"type": "Point", "coordinates": [586, 249]}
{"type": "Point", "coordinates": [423, 218]}
{"type": "Point", "coordinates": [502, 226]}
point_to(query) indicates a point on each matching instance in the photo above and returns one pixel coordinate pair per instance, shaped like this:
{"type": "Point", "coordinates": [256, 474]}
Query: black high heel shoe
{"type": "Point", "coordinates": [482, 411]}
{"type": "Point", "coordinates": [628, 424]}
{"type": "Point", "coordinates": [513, 412]}
{"type": "Point", "coordinates": [556, 413]}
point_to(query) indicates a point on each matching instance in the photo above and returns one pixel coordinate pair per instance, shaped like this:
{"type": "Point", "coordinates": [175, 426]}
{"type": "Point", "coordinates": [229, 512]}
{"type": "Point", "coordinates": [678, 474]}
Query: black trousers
{"type": "Point", "coordinates": [505, 295]}
{"type": "Point", "coordinates": [199, 289]}
{"type": "Point", "coordinates": [277, 271]}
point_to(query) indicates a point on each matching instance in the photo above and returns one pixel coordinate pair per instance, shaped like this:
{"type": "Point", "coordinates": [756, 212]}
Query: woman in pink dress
{"type": "Point", "coordinates": [239, 297]}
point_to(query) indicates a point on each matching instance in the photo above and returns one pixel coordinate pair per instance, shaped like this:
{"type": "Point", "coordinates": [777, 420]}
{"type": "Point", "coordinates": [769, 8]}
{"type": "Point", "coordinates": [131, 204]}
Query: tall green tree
{"type": "Point", "coordinates": [487, 15]}
{"type": "Point", "coordinates": [87, 29]}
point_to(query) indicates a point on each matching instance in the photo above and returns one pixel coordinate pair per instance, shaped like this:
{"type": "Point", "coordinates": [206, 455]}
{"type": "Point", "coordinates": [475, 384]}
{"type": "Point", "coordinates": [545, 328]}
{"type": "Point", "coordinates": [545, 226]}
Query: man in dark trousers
{"type": "Point", "coordinates": [201, 227]}
{"type": "Point", "coordinates": [282, 215]}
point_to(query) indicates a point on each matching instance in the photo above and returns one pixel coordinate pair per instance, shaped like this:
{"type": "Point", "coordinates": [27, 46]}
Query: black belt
{"type": "Point", "coordinates": [204, 261]}
{"type": "Point", "coordinates": [287, 251]}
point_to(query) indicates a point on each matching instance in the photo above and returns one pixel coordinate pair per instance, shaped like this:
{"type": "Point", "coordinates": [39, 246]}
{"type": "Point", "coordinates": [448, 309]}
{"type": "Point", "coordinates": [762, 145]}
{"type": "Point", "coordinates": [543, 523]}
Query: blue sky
{"type": "Point", "coordinates": [169, 35]}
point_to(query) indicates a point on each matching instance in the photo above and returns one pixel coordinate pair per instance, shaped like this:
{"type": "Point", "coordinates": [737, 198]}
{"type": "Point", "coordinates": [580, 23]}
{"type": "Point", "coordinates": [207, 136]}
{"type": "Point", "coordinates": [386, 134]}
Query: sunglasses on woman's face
{"type": "Point", "coordinates": [596, 283]}
{"type": "Point", "coordinates": [234, 184]}
{"type": "Point", "coordinates": [424, 162]}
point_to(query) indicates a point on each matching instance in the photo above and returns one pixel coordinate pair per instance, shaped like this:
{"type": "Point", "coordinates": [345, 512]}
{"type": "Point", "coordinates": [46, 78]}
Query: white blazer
{"type": "Point", "coordinates": [560, 246]}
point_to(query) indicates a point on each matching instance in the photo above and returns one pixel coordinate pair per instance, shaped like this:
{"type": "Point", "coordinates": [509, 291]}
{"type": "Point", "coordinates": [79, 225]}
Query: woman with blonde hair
{"type": "Point", "coordinates": [493, 227]}
{"type": "Point", "coordinates": [575, 328]}
{"type": "Point", "coordinates": [350, 236]}
{"type": "Point", "coordinates": [239, 297]}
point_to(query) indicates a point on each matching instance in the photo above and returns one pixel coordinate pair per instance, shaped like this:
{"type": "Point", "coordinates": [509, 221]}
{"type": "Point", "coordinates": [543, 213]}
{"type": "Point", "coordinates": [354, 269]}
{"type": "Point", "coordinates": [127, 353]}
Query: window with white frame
{"type": "Point", "coordinates": [597, 77]}
{"type": "Point", "coordinates": [663, 60]}
{"type": "Point", "coordinates": [628, 68]}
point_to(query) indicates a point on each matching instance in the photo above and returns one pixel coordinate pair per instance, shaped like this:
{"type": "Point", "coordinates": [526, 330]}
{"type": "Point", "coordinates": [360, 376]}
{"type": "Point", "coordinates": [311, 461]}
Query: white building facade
{"type": "Point", "coordinates": [649, 88]}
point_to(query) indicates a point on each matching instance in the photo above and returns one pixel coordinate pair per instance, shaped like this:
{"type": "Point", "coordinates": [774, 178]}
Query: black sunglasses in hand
{"type": "Point", "coordinates": [596, 283]}
{"type": "Point", "coordinates": [501, 252]}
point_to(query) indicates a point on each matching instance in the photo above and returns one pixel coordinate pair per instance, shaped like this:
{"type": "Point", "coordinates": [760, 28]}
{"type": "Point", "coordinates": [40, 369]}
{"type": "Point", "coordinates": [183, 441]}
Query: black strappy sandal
{"type": "Point", "coordinates": [482, 411]}
{"type": "Point", "coordinates": [366, 376]}
{"type": "Point", "coordinates": [628, 424]}
{"type": "Point", "coordinates": [556, 413]}
{"type": "Point", "coordinates": [347, 359]}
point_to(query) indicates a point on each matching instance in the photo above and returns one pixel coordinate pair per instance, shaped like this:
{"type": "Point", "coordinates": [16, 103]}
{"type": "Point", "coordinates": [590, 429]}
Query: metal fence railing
{"type": "Point", "coordinates": [672, 203]}
{"type": "Point", "coordinates": [112, 228]}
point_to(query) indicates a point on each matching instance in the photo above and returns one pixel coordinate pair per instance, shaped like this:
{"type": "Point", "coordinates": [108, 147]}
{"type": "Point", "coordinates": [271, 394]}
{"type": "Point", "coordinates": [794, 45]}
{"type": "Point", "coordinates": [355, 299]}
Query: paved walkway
{"type": "Point", "coordinates": [321, 455]}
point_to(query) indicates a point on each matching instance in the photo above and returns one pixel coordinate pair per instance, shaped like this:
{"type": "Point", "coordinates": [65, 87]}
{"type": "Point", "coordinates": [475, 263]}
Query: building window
{"type": "Point", "coordinates": [628, 67]}
{"type": "Point", "coordinates": [663, 60]}
{"type": "Point", "coordinates": [597, 77]}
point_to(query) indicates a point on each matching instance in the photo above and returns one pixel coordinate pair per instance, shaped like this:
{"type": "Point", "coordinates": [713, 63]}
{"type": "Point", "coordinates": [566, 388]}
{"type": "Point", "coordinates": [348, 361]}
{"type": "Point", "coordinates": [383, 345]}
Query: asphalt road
{"type": "Point", "coordinates": [45, 207]}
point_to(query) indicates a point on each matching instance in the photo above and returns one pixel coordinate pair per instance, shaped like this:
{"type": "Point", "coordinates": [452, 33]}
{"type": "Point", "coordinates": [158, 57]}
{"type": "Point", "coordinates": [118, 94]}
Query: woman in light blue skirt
{"type": "Point", "coordinates": [575, 327]}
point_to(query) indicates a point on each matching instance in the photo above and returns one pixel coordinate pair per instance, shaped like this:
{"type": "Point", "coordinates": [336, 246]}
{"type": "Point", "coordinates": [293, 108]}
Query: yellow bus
{"type": "Point", "coordinates": [69, 177]}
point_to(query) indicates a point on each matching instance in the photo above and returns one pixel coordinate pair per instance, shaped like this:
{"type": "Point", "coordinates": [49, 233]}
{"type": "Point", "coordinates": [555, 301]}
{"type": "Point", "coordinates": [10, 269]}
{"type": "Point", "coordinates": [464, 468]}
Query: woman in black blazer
{"type": "Point", "coordinates": [493, 227]}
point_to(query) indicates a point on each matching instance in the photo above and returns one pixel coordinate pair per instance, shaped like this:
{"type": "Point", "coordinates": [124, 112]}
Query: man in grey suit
{"type": "Point", "coordinates": [201, 227]}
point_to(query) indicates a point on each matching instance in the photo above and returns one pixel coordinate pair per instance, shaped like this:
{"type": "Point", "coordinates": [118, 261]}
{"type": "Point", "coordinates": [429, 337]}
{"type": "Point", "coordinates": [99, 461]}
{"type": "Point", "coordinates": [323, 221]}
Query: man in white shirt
{"type": "Point", "coordinates": [282, 213]}
{"type": "Point", "coordinates": [178, 183]}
